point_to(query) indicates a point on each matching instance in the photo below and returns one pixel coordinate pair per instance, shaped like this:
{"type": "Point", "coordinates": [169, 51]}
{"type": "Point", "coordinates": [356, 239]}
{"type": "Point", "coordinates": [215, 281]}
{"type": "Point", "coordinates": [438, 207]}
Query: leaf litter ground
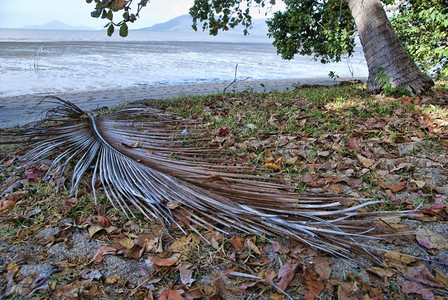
{"type": "Point", "coordinates": [336, 140]}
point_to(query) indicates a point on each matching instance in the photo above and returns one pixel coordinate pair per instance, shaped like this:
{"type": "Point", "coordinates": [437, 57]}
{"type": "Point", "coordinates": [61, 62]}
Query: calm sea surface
{"type": "Point", "coordinates": [46, 61]}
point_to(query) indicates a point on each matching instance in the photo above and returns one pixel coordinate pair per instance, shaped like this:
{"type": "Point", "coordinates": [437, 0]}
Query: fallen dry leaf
{"type": "Point", "coordinates": [103, 251]}
{"type": "Point", "coordinates": [276, 247]}
{"type": "Point", "coordinates": [366, 162]}
{"type": "Point", "coordinates": [265, 260]}
{"type": "Point", "coordinates": [112, 279]}
{"type": "Point", "coordinates": [186, 275]}
{"type": "Point", "coordinates": [253, 247]}
{"type": "Point", "coordinates": [286, 274]}
{"type": "Point", "coordinates": [100, 220]}
{"type": "Point", "coordinates": [354, 143]}
{"type": "Point", "coordinates": [90, 274]}
{"type": "Point", "coordinates": [397, 258]}
{"type": "Point", "coordinates": [6, 205]}
{"type": "Point", "coordinates": [92, 230]}
{"type": "Point", "coordinates": [170, 294]}
{"type": "Point", "coordinates": [148, 241]}
{"type": "Point", "coordinates": [185, 243]}
{"type": "Point", "coordinates": [237, 243]}
{"type": "Point", "coordinates": [126, 243]}
{"type": "Point", "coordinates": [396, 187]}
{"type": "Point", "coordinates": [381, 272]}
{"type": "Point", "coordinates": [441, 278]}
{"type": "Point", "coordinates": [349, 291]}
{"type": "Point", "coordinates": [430, 240]}
{"type": "Point", "coordinates": [420, 274]}
{"type": "Point", "coordinates": [313, 282]}
{"type": "Point", "coordinates": [411, 287]}
{"type": "Point", "coordinates": [165, 262]}
{"type": "Point", "coordinates": [323, 267]}
{"type": "Point", "coordinates": [10, 202]}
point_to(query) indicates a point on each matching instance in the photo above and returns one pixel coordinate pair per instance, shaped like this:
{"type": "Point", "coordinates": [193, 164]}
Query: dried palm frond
{"type": "Point", "coordinates": [169, 169]}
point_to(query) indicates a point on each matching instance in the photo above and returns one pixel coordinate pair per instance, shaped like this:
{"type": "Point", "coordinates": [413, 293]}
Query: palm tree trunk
{"type": "Point", "coordinates": [383, 50]}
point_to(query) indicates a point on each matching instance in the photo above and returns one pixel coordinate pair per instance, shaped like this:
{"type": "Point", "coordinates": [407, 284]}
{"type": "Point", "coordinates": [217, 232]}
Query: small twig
{"type": "Point", "coordinates": [234, 80]}
{"type": "Point", "coordinates": [349, 66]}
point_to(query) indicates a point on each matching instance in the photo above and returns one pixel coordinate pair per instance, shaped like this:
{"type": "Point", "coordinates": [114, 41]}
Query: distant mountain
{"type": "Point", "coordinates": [183, 24]}
{"type": "Point", "coordinates": [56, 25]}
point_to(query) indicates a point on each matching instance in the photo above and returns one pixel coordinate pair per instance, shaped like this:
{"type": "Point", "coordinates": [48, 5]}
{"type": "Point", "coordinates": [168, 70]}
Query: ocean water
{"type": "Point", "coordinates": [46, 61]}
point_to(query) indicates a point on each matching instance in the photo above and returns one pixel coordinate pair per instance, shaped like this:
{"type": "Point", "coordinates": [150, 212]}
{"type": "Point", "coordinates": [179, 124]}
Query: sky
{"type": "Point", "coordinates": [21, 13]}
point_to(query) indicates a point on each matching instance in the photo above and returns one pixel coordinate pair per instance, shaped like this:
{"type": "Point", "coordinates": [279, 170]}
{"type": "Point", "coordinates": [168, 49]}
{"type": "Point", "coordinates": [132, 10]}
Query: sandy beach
{"type": "Point", "coordinates": [20, 110]}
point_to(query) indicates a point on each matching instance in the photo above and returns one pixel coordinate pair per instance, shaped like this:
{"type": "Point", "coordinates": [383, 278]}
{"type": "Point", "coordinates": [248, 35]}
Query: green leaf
{"type": "Point", "coordinates": [96, 13]}
{"type": "Point", "coordinates": [124, 30]}
{"type": "Point", "coordinates": [104, 14]}
{"type": "Point", "coordinates": [110, 30]}
{"type": "Point", "coordinates": [110, 15]}
{"type": "Point", "coordinates": [89, 1]}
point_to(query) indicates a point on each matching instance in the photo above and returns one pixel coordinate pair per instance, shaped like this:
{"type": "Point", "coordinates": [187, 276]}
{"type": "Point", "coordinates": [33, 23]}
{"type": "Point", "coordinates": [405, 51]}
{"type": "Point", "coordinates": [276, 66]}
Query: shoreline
{"type": "Point", "coordinates": [20, 110]}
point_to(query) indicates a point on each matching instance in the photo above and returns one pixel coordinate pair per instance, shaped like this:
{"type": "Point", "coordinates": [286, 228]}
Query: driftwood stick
{"type": "Point", "coordinates": [234, 80]}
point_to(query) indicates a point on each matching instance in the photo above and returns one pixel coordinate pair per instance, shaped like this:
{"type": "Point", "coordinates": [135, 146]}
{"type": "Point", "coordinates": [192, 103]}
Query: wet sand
{"type": "Point", "coordinates": [20, 110]}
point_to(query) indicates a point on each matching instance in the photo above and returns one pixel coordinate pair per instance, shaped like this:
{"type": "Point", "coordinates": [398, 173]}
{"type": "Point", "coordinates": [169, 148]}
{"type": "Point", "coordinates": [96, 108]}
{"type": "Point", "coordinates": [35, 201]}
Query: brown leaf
{"type": "Point", "coordinates": [396, 187]}
{"type": "Point", "coordinates": [395, 258]}
{"type": "Point", "coordinates": [148, 241]}
{"type": "Point", "coordinates": [381, 272]}
{"type": "Point", "coordinates": [34, 176]}
{"type": "Point", "coordinates": [373, 123]}
{"type": "Point", "coordinates": [103, 251]}
{"type": "Point", "coordinates": [313, 282]}
{"type": "Point", "coordinates": [165, 262]}
{"type": "Point", "coordinates": [97, 228]}
{"type": "Point", "coordinates": [276, 247]}
{"type": "Point", "coordinates": [323, 267]}
{"type": "Point", "coordinates": [441, 278]}
{"type": "Point", "coordinates": [253, 247]}
{"type": "Point", "coordinates": [6, 205]}
{"type": "Point", "coordinates": [286, 274]}
{"type": "Point", "coordinates": [186, 275]}
{"type": "Point", "coordinates": [100, 220]}
{"type": "Point", "coordinates": [265, 260]}
{"type": "Point", "coordinates": [112, 279]}
{"type": "Point", "coordinates": [185, 243]}
{"type": "Point", "coordinates": [291, 161]}
{"type": "Point", "coordinates": [10, 202]}
{"type": "Point", "coordinates": [354, 143]}
{"type": "Point", "coordinates": [366, 162]}
{"type": "Point", "coordinates": [237, 243]}
{"type": "Point", "coordinates": [430, 240]}
{"type": "Point", "coordinates": [336, 188]}
{"type": "Point", "coordinates": [410, 287]}
{"type": "Point", "coordinates": [214, 235]}
{"type": "Point", "coordinates": [68, 205]}
{"type": "Point", "coordinates": [73, 290]}
{"type": "Point", "coordinates": [126, 242]}
{"type": "Point", "coordinates": [349, 291]}
{"type": "Point", "coordinates": [420, 274]}
{"type": "Point", "coordinates": [170, 294]}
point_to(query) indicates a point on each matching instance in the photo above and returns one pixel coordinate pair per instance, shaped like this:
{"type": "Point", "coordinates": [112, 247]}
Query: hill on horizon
{"type": "Point", "coordinates": [57, 25]}
{"type": "Point", "coordinates": [183, 24]}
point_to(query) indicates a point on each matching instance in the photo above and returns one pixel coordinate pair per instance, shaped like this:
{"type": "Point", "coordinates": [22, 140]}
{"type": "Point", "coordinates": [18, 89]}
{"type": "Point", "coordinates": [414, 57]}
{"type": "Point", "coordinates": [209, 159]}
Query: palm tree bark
{"type": "Point", "coordinates": [383, 50]}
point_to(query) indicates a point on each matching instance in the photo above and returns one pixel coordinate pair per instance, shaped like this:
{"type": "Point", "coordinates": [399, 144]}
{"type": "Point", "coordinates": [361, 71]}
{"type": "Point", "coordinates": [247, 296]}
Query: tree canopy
{"type": "Point", "coordinates": [422, 26]}
{"type": "Point", "coordinates": [324, 29]}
